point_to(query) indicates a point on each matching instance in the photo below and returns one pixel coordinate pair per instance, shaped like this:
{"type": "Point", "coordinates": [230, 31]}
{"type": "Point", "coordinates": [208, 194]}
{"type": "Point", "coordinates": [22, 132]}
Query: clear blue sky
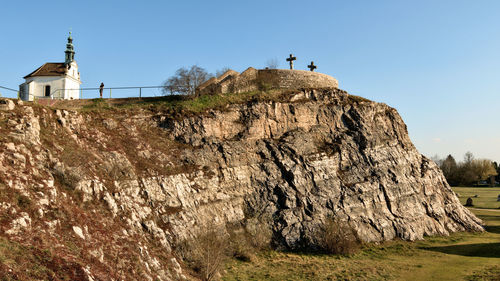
{"type": "Point", "coordinates": [436, 62]}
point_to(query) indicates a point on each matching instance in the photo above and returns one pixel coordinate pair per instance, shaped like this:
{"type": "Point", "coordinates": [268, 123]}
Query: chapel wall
{"type": "Point", "coordinates": [55, 83]}
{"type": "Point", "coordinates": [72, 89]}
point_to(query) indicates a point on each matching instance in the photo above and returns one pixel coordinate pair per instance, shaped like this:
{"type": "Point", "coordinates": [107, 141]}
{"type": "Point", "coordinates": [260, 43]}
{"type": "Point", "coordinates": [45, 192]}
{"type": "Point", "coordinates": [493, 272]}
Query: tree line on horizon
{"type": "Point", "coordinates": [469, 171]}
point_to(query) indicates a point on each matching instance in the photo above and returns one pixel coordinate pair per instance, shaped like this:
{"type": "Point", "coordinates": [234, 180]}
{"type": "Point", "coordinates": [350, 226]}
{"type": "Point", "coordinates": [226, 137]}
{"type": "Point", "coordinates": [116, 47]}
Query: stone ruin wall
{"type": "Point", "coordinates": [296, 79]}
{"type": "Point", "coordinates": [253, 79]}
{"type": "Point", "coordinates": [240, 83]}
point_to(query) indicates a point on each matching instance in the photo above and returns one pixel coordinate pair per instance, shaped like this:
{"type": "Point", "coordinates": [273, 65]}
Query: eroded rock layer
{"type": "Point", "coordinates": [134, 183]}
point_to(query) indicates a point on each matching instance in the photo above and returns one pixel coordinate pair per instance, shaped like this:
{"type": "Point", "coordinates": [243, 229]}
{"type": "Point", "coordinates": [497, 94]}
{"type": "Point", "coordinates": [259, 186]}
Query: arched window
{"type": "Point", "coordinates": [47, 90]}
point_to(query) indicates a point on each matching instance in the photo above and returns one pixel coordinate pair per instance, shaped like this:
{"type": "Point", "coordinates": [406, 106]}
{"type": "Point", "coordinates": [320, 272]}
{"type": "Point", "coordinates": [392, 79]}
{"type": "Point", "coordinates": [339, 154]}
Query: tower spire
{"type": "Point", "coordinates": [70, 52]}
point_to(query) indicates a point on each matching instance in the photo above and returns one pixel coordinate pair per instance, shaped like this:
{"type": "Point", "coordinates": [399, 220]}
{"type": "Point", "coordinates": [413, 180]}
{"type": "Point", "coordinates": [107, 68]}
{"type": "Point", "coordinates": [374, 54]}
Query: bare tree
{"type": "Point", "coordinates": [185, 81]}
{"type": "Point", "coordinates": [207, 252]}
{"type": "Point", "coordinates": [466, 170]}
{"type": "Point", "coordinates": [438, 160]}
{"type": "Point", "coordinates": [272, 63]}
{"type": "Point", "coordinates": [468, 157]}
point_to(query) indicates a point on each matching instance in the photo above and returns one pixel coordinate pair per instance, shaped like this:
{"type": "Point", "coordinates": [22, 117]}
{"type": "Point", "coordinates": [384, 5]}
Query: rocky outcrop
{"type": "Point", "coordinates": [146, 180]}
{"type": "Point", "coordinates": [6, 104]}
{"type": "Point", "coordinates": [326, 156]}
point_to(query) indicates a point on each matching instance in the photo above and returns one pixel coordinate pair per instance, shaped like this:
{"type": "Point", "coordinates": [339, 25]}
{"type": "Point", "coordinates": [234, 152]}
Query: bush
{"type": "Point", "coordinates": [240, 245]}
{"type": "Point", "coordinates": [206, 253]}
{"type": "Point", "coordinates": [246, 241]}
{"type": "Point", "coordinates": [259, 232]}
{"type": "Point", "coordinates": [65, 178]}
{"type": "Point", "coordinates": [339, 238]}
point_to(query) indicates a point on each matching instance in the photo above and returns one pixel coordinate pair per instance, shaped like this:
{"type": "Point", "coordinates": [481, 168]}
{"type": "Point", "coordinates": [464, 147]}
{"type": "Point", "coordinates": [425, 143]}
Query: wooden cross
{"type": "Point", "coordinates": [312, 67]}
{"type": "Point", "coordinates": [291, 59]}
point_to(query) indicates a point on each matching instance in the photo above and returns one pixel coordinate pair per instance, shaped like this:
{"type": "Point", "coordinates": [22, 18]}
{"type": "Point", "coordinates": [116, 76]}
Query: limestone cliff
{"type": "Point", "coordinates": [111, 192]}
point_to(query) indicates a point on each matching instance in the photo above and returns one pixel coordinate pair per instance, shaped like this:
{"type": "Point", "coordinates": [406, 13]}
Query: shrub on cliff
{"type": "Point", "coordinates": [240, 245]}
{"type": "Point", "coordinates": [65, 177]}
{"type": "Point", "coordinates": [207, 253]}
{"type": "Point", "coordinates": [339, 238]}
{"type": "Point", "coordinates": [246, 242]}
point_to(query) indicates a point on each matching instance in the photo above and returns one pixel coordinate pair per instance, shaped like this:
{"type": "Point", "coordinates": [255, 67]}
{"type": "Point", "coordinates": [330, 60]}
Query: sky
{"type": "Point", "coordinates": [436, 61]}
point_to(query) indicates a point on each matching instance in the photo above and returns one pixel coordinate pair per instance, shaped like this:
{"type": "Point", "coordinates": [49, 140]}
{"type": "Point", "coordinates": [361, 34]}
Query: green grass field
{"type": "Point", "coordinates": [486, 196]}
{"type": "Point", "coordinates": [461, 256]}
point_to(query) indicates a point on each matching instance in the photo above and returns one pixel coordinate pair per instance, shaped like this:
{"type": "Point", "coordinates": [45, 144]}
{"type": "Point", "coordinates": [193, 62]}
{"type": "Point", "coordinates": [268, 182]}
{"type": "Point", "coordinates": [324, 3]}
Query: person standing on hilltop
{"type": "Point", "coordinates": [101, 88]}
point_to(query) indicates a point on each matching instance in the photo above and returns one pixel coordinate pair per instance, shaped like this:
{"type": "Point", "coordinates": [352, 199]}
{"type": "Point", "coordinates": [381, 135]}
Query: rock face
{"type": "Point", "coordinates": [137, 184]}
{"type": "Point", "coordinates": [303, 162]}
{"type": "Point", "coordinates": [6, 104]}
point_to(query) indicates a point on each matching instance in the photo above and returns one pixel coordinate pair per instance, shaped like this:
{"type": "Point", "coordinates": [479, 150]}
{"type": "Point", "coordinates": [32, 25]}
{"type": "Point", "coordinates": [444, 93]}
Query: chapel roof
{"type": "Point", "coordinates": [49, 69]}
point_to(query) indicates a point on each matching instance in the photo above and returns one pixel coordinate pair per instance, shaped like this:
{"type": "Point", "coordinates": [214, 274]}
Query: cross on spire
{"type": "Point", "coordinates": [312, 67]}
{"type": "Point", "coordinates": [291, 59]}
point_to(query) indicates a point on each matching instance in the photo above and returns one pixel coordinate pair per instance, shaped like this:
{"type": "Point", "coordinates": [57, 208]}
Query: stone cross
{"type": "Point", "coordinates": [312, 67]}
{"type": "Point", "coordinates": [291, 59]}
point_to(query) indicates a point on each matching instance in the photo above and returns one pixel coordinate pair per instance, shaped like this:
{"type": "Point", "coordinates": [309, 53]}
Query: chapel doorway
{"type": "Point", "coordinates": [47, 91]}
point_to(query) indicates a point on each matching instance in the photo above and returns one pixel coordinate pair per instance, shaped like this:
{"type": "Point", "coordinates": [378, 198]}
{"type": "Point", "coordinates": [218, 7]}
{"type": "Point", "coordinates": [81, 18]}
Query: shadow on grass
{"type": "Point", "coordinates": [485, 250]}
{"type": "Point", "coordinates": [490, 218]}
{"type": "Point", "coordinates": [493, 229]}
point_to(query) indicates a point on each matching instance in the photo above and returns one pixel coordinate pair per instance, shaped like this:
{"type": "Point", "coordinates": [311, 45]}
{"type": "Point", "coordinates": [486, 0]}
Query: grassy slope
{"type": "Point", "coordinates": [186, 105]}
{"type": "Point", "coordinates": [461, 256]}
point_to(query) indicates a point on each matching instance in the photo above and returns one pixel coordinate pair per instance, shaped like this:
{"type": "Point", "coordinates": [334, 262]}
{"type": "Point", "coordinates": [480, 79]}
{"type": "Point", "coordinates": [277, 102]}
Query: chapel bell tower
{"type": "Point", "coordinates": [70, 52]}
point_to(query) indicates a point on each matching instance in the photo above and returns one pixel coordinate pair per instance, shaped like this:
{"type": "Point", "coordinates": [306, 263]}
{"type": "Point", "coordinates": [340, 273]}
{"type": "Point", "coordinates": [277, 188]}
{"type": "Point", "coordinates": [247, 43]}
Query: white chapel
{"type": "Point", "coordinates": [54, 80]}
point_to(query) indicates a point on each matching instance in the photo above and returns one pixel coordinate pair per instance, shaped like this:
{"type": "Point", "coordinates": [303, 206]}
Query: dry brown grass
{"type": "Point", "coordinates": [19, 262]}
